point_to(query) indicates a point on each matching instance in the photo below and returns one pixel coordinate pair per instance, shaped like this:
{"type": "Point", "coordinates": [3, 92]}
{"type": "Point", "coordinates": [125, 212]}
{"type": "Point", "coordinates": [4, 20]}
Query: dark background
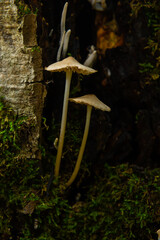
{"type": "Point", "coordinates": [131, 132]}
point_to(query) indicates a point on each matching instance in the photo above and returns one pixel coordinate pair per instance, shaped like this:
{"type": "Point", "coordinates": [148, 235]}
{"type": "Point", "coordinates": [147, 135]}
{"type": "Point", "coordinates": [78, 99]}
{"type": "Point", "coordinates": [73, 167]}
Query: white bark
{"type": "Point", "coordinates": [21, 69]}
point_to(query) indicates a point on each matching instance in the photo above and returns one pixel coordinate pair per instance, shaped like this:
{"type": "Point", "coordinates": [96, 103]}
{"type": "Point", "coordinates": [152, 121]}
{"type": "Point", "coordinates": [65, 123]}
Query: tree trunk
{"type": "Point", "coordinates": [21, 71]}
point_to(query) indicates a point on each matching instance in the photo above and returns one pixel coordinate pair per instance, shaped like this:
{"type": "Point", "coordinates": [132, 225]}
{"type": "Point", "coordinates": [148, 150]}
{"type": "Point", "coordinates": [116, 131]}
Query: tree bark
{"type": "Point", "coordinates": [21, 72]}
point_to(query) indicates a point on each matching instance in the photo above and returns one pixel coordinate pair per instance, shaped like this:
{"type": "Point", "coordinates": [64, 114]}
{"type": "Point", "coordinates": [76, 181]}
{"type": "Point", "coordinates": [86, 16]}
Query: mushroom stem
{"type": "Point", "coordinates": [63, 19]}
{"type": "Point", "coordinates": [82, 148]}
{"type": "Point", "coordinates": [66, 42]}
{"type": "Point", "coordinates": [60, 47]}
{"type": "Point", "coordinates": [63, 122]}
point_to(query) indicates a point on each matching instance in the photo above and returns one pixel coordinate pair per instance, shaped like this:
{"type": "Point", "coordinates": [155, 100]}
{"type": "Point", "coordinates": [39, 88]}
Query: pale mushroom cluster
{"type": "Point", "coordinates": [64, 38]}
{"type": "Point", "coordinates": [70, 65]}
{"type": "Point", "coordinates": [67, 65]}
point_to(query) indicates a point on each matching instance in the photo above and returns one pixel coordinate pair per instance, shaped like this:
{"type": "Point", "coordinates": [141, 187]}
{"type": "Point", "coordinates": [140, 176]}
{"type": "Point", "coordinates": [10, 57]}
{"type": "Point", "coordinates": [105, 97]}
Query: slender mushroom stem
{"type": "Point", "coordinates": [66, 42]}
{"type": "Point", "coordinates": [91, 59]}
{"type": "Point", "coordinates": [60, 47]}
{"type": "Point", "coordinates": [82, 148]}
{"type": "Point", "coordinates": [63, 19]}
{"type": "Point", "coordinates": [63, 122]}
{"type": "Point", "coordinates": [63, 32]}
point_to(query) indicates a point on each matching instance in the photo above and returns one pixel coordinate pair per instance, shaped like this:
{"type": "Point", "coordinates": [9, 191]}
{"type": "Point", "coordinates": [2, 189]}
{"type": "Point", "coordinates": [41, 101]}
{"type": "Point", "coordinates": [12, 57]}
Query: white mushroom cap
{"type": "Point", "coordinates": [158, 232]}
{"type": "Point", "coordinates": [72, 64]}
{"type": "Point", "coordinates": [92, 100]}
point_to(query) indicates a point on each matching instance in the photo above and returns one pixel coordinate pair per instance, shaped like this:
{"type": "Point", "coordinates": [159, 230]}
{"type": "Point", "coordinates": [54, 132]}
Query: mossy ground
{"type": "Point", "coordinates": [121, 203]}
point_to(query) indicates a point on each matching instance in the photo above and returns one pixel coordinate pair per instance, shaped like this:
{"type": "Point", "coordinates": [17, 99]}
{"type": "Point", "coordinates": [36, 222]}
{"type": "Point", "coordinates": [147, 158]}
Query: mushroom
{"type": "Point", "coordinates": [66, 42]}
{"type": "Point", "coordinates": [91, 59]}
{"type": "Point", "coordinates": [63, 19]}
{"type": "Point", "coordinates": [158, 232]}
{"type": "Point", "coordinates": [67, 65]}
{"type": "Point", "coordinates": [91, 101]}
{"type": "Point", "coordinates": [60, 46]}
{"type": "Point", "coordinates": [98, 5]}
{"type": "Point", "coordinates": [64, 39]}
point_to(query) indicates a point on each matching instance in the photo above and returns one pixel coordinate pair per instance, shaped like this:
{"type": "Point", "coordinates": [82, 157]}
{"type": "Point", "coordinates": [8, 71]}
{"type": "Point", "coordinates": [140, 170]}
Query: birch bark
{"type": "Point", "coordinates": [21, 72]}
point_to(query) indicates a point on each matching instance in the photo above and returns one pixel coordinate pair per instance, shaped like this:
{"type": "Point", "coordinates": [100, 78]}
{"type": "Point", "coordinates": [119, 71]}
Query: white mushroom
{"type": "Point", "coordinates": [158, 232]}
{"type": "Point", "coordinates": [63, 19]}
{"type": "Point", "coordinates": [67, 65]}
{"type": "Point", "coordinates": [60, 46]}
{"type": "Point", "coordinates": [91, 101]}
{"type": "Point", "coordinates": [98, 5]}
{"type": "Point", "coordinates": [64, 39]}
{"type": "Point", "coordinates": [66, 42]}
{"type": "Point", "coordinates": [91, 59]}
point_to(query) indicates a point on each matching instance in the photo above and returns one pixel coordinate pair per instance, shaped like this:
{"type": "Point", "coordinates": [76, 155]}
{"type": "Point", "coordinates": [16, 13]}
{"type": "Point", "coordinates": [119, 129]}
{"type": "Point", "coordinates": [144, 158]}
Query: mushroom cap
{"type": "Point", "coordinates": [158, 232]}
{"type": "Point", "coordinates": [72, 64]}
{"type": "Point", "coordinates": [92, 100]}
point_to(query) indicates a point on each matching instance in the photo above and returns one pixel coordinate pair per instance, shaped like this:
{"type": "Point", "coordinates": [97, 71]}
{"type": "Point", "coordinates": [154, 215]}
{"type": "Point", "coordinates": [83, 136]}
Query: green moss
{"type": "Point", "coordinates": [17, 176]}
{"type": "Point", "coordinates": [24, 9]}
{"type": "Point", "coordinates": [121, 202]}
{"type": "Point", "coordinates": [150, 69]}
{"type": "Point", "coordinates": [35, 49]}
{"type": "Point", "coordinates": [9, 128]}
{"type": "Point", "coordinates": [124, 204]}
